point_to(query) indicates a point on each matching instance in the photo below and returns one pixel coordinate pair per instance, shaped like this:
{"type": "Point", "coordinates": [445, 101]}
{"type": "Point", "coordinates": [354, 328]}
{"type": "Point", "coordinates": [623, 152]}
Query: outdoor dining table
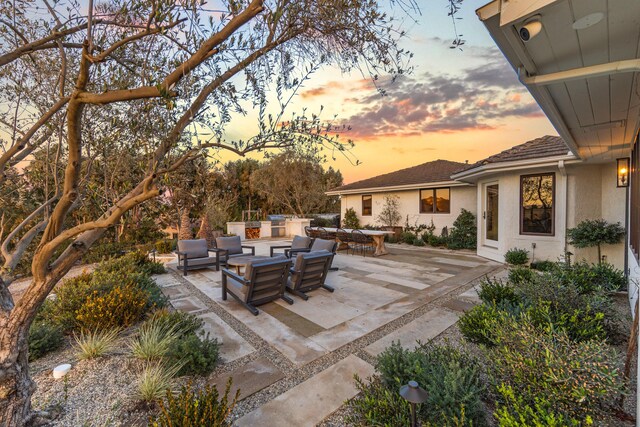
{"type": "Point", "coordinates": [376, 235]}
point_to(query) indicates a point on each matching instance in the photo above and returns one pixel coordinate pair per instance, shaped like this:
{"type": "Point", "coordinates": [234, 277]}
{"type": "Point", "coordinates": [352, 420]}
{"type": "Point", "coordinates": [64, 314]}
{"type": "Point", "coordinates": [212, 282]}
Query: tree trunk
{"type": "Point", "coordinates": [16, 387]}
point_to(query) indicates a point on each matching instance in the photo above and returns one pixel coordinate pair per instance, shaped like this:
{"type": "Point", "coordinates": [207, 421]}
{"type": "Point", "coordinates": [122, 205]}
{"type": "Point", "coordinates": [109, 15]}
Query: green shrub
{"type": "Point", "coordinates": [377, 405]}
{"type": "Point", "coordinates": [519, 274]}
{"type": "Point", "coordinates": [436, 241]}
{"type": "Point", "coordinates": [478, 324]}
{"type": "Point", "coordinates": [450, 377]}
{"type": "Point", "coordinates": [588, 278]}
{"type": "Point", "coordinates": [104, 251]}
{"type": "Point", "coordinates": [44, 338]}
{"type": "Point", "coordinates": [408, 237]}
{"type": "Point", "coordinates": [122, 306]}
{"type": "Point", "coordinates": [516, 256]}
{"type": "Point", "coordinates": [184, 323]}
{"type": "Point", "coordinates": [351, 219]}
{"type": "Point", "coordinates": [543, 265]}
{"type": "Point", "coordinates": [155, 380]}
{"type": "Point", "coordinates": [552, 303]}
{"type": "Point", "coordinates": [418, 242]}
{"type": "Point", "coordinates": [497, 292]}
{"type": "Point", "coordinates": [597, 232]}
{"type": "Point", "coordinates": [154, 340]}
{"type": "Point", "coordinates": [70, 297]}
{"type": "Point", "coordinates": [192, 408]}
{"type": "Point", "coordinates": [166, 246]}
{"type": "Point", "coordinates": [92, 344]}
{"type": "Point", "coordinates": [196, 356]}
{"type": "Point", "coordinates": [463, 234]}
{"type": "Point", "coordinates": [580, 379]}
{"type": "Point", "coordinates": [513, 411]}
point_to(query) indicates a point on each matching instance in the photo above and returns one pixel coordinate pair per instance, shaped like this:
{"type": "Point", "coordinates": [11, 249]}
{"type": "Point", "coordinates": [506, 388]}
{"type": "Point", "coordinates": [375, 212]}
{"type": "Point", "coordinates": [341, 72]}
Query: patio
{"type": "Point", "coordinates": [294, 364]}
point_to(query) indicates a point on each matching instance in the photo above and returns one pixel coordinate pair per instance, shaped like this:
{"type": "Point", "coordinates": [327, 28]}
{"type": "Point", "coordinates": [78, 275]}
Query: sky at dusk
{"type": "Point", "coordinates": [456, 105]}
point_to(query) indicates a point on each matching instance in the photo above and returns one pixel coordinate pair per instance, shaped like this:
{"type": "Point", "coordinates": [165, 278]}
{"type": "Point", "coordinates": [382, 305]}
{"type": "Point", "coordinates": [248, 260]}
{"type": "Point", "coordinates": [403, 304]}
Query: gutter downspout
{"type": "Point", "coordinates": [563, 173]}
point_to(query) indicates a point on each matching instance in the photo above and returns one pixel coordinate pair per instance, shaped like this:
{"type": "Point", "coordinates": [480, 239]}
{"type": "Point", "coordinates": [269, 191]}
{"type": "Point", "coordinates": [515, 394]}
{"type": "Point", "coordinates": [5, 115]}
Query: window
{"type": "Point", "coordinates": [537, 205]}
{"type": "Point", "coordinates": [435, 200]}
{"type": "Point", "coordinates": [366, 205]}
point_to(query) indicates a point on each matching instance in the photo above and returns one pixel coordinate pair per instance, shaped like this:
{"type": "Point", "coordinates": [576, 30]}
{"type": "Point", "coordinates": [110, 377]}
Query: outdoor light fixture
{"type": "Point", "coordinates": [623, 172]}
{"type": "Point", "coordinates": [415, 395]}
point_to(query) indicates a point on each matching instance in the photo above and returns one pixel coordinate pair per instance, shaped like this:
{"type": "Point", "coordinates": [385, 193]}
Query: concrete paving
{"type": "Point", "coordinates": [423, 329]}
{"type": "Point", "coordinates": [233, 345]}
{"type": "Point", "coordinates": [308, 403]}
{"type": "Point", "coordinates": [370, 293]}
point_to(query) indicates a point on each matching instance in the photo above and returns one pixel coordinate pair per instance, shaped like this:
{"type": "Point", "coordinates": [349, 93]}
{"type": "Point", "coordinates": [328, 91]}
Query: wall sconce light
{"type": "Point", "coordinates": [623, 172]}
{"type": "Point", "coordinates": [415, 395]}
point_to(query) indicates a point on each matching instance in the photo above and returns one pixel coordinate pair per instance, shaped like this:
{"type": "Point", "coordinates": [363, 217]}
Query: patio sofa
{"type": "Point", "coordinates": [309, 273]}
{"type": "Point", "coordinates": [263, 281]}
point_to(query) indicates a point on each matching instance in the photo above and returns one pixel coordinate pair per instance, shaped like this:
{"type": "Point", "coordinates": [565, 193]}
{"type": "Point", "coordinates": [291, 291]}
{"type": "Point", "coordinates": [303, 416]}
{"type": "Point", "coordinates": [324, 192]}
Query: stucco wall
{"type": "Point", "coordinates": [461, 197]}
{"type": "Point", "coordinates": [586, 192]}
{"type": "Point", "coordinates": [547, 247]}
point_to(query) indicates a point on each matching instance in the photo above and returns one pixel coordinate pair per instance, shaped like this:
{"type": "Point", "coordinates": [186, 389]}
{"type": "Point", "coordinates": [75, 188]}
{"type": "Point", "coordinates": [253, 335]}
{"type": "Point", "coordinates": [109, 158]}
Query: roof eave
{"type": "Point", "coordinates": [407, 187]}
{"type": "Point", "coordinates": [489, 168]}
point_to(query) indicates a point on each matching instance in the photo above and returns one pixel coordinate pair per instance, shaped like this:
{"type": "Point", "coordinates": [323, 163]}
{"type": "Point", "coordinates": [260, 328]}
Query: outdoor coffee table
{"type": "Point", "coordinates": [242, 261]}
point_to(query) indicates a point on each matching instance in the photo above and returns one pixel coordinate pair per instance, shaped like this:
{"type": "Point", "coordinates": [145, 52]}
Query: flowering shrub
{"type": "Point", "coordinates": [120, 307]}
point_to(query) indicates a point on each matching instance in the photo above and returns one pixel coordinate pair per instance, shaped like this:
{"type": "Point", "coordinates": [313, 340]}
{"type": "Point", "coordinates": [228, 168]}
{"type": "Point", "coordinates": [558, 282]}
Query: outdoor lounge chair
{"type": "Point", "coordinates": [344, 239]}
{"type": "Point", "coordinates": [298, 242]}
{"type": "Point", "coordinates": [316, 246]}
{"type": "Point", "coordinates": [230, 247]}
{"type": "Point", "coordinates": [309, 273]}
{"type": "Point", "coordinates": [194, 254]}
{"type": "Point", "coordinates": [263, 281]}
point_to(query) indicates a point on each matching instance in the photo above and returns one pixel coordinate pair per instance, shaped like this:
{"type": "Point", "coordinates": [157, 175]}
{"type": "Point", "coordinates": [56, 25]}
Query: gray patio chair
{"type": "Point", "coordinates": [309, 273]}
{"type": "Point", "coordinates": [263, 281]}
{"type": "Point", "coordinates": [194, 254]}
{"type": "Point", "coordinates": [318, 245]}
{"type": "Point", "coordinates": [344, 239]}
{"type": "Point", "coordinates": [298, 242]}
{"type": "Point", "coordinates": [362, 242]}
{"type": "Point", "coordinates": [230, 247]}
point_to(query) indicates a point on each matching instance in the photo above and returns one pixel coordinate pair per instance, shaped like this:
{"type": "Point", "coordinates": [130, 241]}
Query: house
{"type": "Point", "coordinates": [425, 193]}
{"type": "Point", "coordinates": [530, 194]}
{"type": "Point", "coordinates": [580, 60]}
{"type": "Point", "coordinates": [527, 197]}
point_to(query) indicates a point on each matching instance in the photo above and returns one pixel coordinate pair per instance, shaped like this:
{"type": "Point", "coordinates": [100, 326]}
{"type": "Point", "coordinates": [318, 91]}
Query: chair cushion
{"type": "Point", "coordinates": [300, 242]}
{"type": "Point", "coordinates": [192, 262]}
{"type": "Point", "coordinates": [302, 256]}
{"type": "Point", "coordinates": [249, 266]}
{"type": "Point", "coordinates": [237, 288]}
{"type": "Point", "coordinates": [194, 248]}
{"type": "Point", "coordinates": [321, 244]}
{"type": "Point", "coordinates": [232, 244]}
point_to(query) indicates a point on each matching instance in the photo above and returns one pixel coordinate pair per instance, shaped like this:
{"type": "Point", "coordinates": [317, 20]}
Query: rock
{"type": "Point", "coordinates": [61, 370]}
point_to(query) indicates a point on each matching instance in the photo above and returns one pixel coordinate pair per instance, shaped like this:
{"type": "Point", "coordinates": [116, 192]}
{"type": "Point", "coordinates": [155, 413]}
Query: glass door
{"type": "Point", "coordinates": [490, 214]}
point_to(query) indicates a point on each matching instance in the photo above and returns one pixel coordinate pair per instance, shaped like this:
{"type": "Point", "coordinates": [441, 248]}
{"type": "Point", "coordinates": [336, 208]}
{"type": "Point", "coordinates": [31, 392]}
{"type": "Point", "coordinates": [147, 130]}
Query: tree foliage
{"type": "Point", "coordinates": [390, 214]}
{"type": "Point", "coordinates": [140, 89]}
{"type": "Point", "coordinates": [596, 232]}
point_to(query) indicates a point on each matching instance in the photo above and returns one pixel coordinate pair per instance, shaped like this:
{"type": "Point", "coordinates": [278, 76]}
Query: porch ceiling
{"type": "Point", "coordinates": [597, 113]}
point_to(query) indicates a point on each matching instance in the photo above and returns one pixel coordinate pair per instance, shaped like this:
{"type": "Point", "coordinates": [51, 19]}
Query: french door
{"type": "Point", "coordinates": [490, 214]}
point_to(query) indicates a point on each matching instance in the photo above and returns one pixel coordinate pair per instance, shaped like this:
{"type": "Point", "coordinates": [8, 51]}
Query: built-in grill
{"type": "Point", "coordinates": [278, 225]}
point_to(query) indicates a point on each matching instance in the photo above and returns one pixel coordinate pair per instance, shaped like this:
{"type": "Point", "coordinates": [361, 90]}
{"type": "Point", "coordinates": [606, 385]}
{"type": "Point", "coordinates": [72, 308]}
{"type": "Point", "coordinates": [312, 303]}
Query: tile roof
{"type": "Point", "coordinates": [435, 171]}
{"type": "Point", "coordinates": [545, 146]}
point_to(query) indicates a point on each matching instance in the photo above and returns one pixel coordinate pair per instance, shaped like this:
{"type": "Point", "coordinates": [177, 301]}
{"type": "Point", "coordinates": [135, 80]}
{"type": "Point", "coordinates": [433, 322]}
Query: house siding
{"type": "Point", "coordinates": [461, 197]}
{"type": "Point", "coordinates": [585, 192]}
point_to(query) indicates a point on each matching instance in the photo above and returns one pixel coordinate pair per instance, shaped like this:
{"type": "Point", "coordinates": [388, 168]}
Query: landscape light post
{"type": "Point", "coordinates": [415, 395]}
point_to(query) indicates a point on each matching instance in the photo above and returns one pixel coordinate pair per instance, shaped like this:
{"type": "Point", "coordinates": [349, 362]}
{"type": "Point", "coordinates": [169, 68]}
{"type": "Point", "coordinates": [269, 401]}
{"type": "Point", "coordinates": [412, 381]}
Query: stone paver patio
{"type": "Point", "coordinates": [294, 364]}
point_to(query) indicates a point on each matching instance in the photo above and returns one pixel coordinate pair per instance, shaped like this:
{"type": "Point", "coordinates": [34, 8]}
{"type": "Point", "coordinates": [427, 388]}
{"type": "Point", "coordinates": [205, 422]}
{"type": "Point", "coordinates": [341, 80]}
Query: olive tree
{"type": "Point", "coordinates": [165, 76]}
{"type": "Point", "coordinates": [596, 232]}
